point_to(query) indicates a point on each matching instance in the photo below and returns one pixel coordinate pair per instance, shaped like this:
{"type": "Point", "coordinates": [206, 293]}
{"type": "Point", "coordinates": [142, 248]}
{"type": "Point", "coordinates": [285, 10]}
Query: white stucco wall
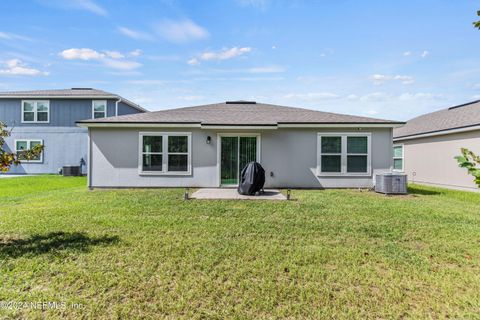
{"type": "Point", "coordinates": [291, 154]}
{"type": "Point", "coordinates": [431, 160]}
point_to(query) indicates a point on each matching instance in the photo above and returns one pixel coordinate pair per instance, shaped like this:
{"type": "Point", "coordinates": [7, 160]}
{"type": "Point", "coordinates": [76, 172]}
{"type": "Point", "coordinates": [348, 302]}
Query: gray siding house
{"type": "Point", "coordinates": [49, 117]}
{"type": "Point", "coordinates": [207, 146]}
{"type": "Point", "coordinates": [426, 146]}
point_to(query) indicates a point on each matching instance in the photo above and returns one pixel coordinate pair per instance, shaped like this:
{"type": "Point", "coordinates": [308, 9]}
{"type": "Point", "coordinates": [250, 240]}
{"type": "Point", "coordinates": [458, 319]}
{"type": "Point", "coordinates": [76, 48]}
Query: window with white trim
{"type": "Point", "coordinates": [23, 145]}
{"type": "Point", "coordinates": [99, 109]}
{"type": "Point", "coordinates": [165, 153]}
{"type": "Point", "coordinates": [398, 157]}
{"type": "Point", "coordinates": [35, 111]}
{"type": "Point", "coordinates": [344, 154]}
{"type": "Point", "coordinates": [357, 154]}
{"type": "Point", "coordinates": [331, 154]}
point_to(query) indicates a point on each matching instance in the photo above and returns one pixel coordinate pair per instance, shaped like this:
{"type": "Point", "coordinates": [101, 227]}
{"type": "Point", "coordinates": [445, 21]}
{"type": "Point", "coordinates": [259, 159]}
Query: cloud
{"type": "Point", "coordinates": [90, 6]}
{"type": "Point", "coordinates": [135, 53]}
{"type": "Point", "coordinates": [327, 52]}
{"type": "Point", "coordinates": [404, 79]}
{"type": "Point", "coordinates": [121, 64]}
{"type": "Point", "coordinates": [112, 59]}
{"type": "Point", "coordinates": [374, 96]}
{"type": "Point", "coordinates": [407, 53]}
{"type": "Point", "coordinates": [193, 62]}
{"type": "Point", "coordinates": [163, 57]}
{"type": "Point", "coordinates": [87, 5]}
{"type": "Point", "coordinates": [13, 36]}
{"type": "Point", "coordinates": [224, 54]}
{"type": "Point", "coordinates": [312, 96]}
{"type": "Point", "coordinates": [257, 79]}
{"type": "Point", "coordinates": [137, 35]}
{"type": "Point", "coordinates": [81, 54]}
{"type": "Point", "coordinates": [4, 35]}
{"type": "Point", "coordinates": [114, 54]}
{"type": "Point", "coordinates": [421, 96]}
{"type": "Point", "coordinates": [425, 54]}
{"type": "Point", "coordinates": [382, 96]}
{"type": "Point", "coordinates": [269, 69]}
{"type": "Point", "coordinates": [181, 31]}
{"type": "Point", "coordinates": [379, 79]}
{"type": "Point", "coordinates": [17, 67]}
{"type": "Point", "coordinates": [259, 4]}
{"type": "Point", "coordinates": [191, 98]}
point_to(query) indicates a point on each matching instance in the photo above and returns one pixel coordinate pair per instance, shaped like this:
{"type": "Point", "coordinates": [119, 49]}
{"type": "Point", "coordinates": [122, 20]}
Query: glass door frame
{"type": "Point", "coordinates": [219, 151]}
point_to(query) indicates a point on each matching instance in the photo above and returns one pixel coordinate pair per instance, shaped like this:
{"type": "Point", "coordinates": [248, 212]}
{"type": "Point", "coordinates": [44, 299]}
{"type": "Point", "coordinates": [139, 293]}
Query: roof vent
{"type": "Point", "coordinates": [240, 102]}
{"type": "Point", "coordinates": [82, 88]}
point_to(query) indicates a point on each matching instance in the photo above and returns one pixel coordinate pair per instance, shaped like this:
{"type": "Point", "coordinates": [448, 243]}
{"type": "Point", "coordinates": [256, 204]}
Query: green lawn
{"type": "Point", "coordinates": [147, 253]}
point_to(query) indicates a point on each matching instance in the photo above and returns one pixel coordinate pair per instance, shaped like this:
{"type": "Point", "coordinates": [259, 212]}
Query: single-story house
{"type": "Point", "coordinates": [207, 146]}
{"type": "Point", "coordinates": [426, 146]}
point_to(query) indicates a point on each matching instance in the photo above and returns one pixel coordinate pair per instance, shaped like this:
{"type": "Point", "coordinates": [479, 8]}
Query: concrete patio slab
{"type": "Point", "coordinates": [224, 193]}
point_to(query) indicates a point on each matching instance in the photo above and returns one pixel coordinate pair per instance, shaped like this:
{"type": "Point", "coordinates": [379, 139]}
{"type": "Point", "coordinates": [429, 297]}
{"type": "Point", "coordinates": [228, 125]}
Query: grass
{"type": "Point", "coordinates": [149, 254]}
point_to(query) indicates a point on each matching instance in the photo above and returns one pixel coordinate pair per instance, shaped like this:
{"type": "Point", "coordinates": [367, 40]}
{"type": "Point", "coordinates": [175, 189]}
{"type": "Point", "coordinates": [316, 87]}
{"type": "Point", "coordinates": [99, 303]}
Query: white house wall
{"type": "Point", "coordinates": [431, 160]}
{"type": "Point", "coordinates": [290, 154]}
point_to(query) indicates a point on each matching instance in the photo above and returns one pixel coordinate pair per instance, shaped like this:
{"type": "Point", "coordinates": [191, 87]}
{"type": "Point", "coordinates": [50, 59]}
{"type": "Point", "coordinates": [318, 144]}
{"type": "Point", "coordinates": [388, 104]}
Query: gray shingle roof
{"type": "Point", "coordinates": [241, 114]}
{"type": "Point", "coordinates": [68, 93]}
{"type": "Point", "coordinates": [460, 116]}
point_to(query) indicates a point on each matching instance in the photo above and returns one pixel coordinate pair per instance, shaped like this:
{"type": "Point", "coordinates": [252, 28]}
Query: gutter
{"type": "Point", "coordinates": [438, 133]}
{"type": "Point", "coordinates": [145, 124]}
{"type": "Point", "coordinates": [46, 97]}
{"type": "Point", "coordinates": [137, 125]}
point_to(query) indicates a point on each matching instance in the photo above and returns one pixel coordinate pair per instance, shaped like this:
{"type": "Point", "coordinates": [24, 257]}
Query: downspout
{"type": "Point", "coordinates": [90, 163]}
{"type": "Point", "coordinates": [116, 106]}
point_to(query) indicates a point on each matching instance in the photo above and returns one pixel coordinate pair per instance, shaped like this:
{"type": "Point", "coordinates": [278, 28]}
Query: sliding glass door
{"type": "Point", "coordinates": [235, 153]}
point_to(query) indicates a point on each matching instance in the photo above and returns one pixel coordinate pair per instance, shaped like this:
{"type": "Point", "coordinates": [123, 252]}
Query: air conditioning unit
{"type": "Point", "coordinates": [391, 183]}
{"type": "Point", "coordinates": [71, 171]}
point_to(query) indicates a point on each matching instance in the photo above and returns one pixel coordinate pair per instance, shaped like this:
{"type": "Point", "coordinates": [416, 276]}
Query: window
{"type": "Point", "coordinates": [331, 154]}
{"type": "Point", "coordinates": [398, 157]}
{"type": "Point", "coordinates": [178, 153]}
{"type": "Point", "coordinates": [35, 111]}
{"type": "Point", "coordinates": [357, 154]}
{"type": "Point", "coordinates": [343, 154]}
{"type": "Point", "coordinates": [23, 145]}
{"type": "Point", "coordinates": [152, 153]}
{"type": "Point", "coordinates": [165, 153]}
{"type": "Point", "coordinates": [99, 109]}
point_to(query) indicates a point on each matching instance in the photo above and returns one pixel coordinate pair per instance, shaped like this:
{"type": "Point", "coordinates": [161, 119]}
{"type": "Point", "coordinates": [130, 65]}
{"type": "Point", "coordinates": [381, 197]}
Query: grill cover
{"type": "Point", "coordinates": [252, 179]}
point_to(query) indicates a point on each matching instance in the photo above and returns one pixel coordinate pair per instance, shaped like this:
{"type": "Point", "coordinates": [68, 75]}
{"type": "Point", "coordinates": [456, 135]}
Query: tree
{"type": "Point", "coordinates": [471, 162]}
{"type": "Point", "coordinates": [7, 159]}
{"type": "Point", "coordinates": [476, 24]}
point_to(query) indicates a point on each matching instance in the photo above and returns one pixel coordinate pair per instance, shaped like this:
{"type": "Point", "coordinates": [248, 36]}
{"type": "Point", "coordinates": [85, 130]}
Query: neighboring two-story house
{"type": "Point", "coordinates": [48, 117]}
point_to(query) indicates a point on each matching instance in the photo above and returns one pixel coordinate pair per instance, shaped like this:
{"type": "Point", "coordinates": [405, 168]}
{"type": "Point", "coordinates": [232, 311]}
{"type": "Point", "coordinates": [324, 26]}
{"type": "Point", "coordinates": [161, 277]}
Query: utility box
{"type": "Point", "coordinates": [391, 183]}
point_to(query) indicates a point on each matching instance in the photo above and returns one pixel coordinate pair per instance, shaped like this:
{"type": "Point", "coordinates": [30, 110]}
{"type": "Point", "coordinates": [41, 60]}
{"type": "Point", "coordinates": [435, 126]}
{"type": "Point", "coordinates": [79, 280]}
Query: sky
{"type": "Point", "coordinates": [383, 59]}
